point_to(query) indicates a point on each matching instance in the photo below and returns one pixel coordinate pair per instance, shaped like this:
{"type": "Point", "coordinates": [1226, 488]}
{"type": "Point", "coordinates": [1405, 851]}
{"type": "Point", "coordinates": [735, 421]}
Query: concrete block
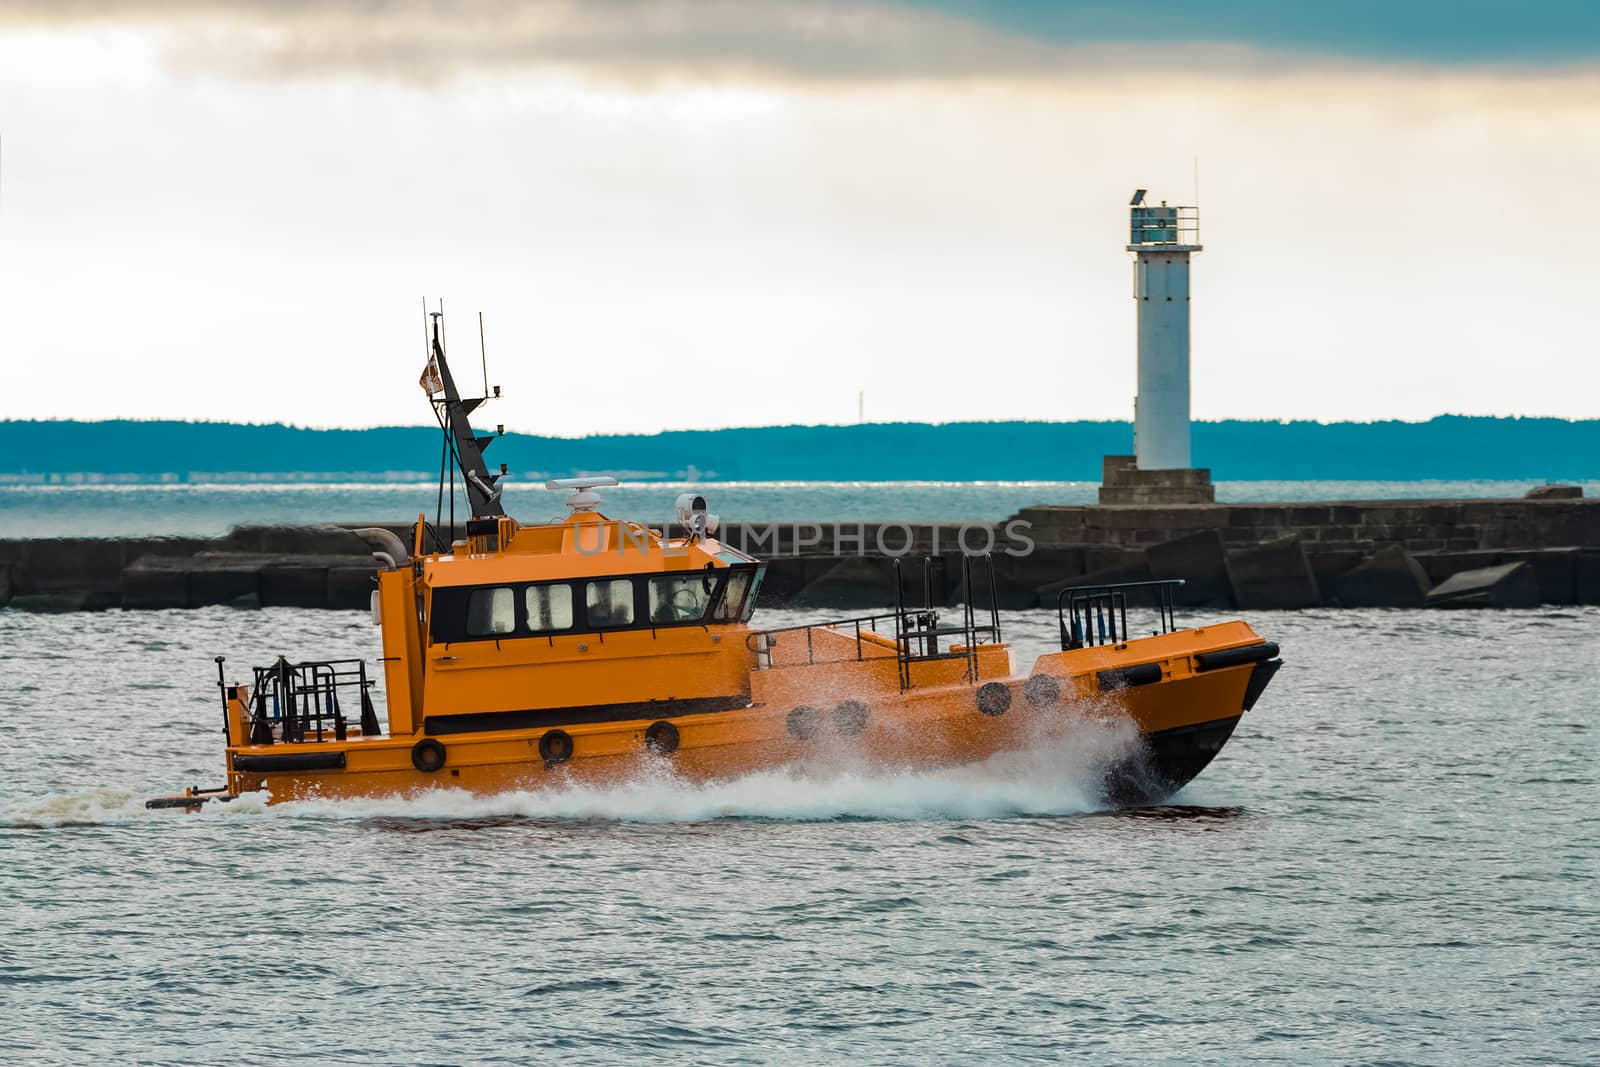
{"type": "Point", "coordinates": [854, 583]}
{"type": "Point", "coordinates": [1392, 578]}
{"type": "Point", "coordinates": [1200, 561]}
{"type": "Point", "coordinates": [1555, 492]}
{"type": "Point", "coordinates": [223, 580]}
{"type": "Point", "coordinates": [1555, 569]}
{"type": "Point", "coordinates": [71, 565]}
{"type": "Point", "coordinates": [1017, 578]}
{"type": "Point", "coordinates": [1441, 565]}
{"type": "Point", "coordinates": [294, 586]}
{"type": "Point", "coordinates": [1272, 576]}
{"type": "Point", "coordinates": [1136, 570]}
{"type": "Point", "coordinates": [156, 582]}
{"type": "Point", "coordinates": [1329, 564]}
{"type": "Point", "coordinates": [1240, 535]}
{"type": "Point", "coordinates": [1113, 557]}
{"type": "Point", "coordinates": [786, 576]}
{"type": "Point", "coordinates": [1509, 585]}
{"type": "Point", "coordinates": [137, 549]}
{"type": "Point", "coordinates": [322, 539]}
{"type": "Point", "coordinates": [1589, 577]}
{"type": "Point", "coordinates": [350, 588]}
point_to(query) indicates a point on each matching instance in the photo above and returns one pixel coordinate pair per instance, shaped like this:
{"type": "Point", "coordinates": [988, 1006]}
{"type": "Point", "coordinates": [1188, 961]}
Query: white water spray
{"type": "Point", "coordinates": [1059, 775]}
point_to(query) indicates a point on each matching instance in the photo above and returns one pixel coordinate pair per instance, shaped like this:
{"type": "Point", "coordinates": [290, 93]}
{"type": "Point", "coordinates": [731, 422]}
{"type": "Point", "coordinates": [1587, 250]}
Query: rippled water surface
{"type": "Point", "coordinates": [1393, 861]}
{"type": "Point", "coordinates": [205, 510]}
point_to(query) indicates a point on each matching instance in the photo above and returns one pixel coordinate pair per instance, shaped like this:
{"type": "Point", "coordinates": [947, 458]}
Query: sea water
{"type": "Point", "coordinates": [1393, 861]}
{"type": "Point", "coordinates": [209, 509]}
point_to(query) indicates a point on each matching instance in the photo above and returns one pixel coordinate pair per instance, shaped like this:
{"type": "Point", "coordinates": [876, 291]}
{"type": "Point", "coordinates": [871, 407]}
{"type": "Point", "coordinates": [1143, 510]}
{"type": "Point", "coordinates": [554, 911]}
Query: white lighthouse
{"type": "Point", "coordinates": [1162, 239]}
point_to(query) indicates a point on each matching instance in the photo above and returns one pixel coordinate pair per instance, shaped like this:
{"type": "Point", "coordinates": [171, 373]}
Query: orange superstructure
{"type": "Point", "coordinates": [589, 647]}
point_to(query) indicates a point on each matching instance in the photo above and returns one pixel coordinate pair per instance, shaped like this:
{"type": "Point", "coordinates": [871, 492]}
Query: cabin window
{"type": "Point", "coordinates": [610, 603]}
{"type": "Point", "coordinates": [491, 610]}
{"type": "Point", "coordinates": [732, 603]}
{"type": "Point", "coordinates": [549, 607]}
{"type": "Point", "coordinates": [755, 591]}
{"type": "Point", "coordinates": [682, 597]}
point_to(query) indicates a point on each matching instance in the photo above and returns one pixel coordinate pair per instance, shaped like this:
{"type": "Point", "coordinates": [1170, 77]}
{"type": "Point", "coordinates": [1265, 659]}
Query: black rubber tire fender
{"type": "Point", "coordinates": [555, 746]}
{"type": "Point", "coordinates": [850, 718]}
{"type": "Point", "coordinates": [994, 699]}
{"type": "Point", "coordinates": [804, 722]}
{"type": "Point", "coordinates": [427, 755]}
{"type": "Point", "coordinates": [1042, 691]}
{"type": "Point", "coordinates": [1127, 677]}
{"type": "Point", "coordinates": [1234, 657]}
{"type": "Point", "coordinates": [661, 738]}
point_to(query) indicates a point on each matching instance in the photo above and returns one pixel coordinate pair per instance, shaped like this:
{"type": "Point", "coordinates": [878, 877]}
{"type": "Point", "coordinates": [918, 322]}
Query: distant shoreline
{"type": "Point", "coordinates": [1447, 448]}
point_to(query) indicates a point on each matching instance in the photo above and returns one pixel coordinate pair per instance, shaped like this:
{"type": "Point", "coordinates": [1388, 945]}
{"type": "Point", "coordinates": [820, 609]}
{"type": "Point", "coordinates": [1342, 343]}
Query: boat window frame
{"type": "Point", "coordinates": [746, 608]}
{"type": "Point", "coordinates": [524, 624]}
{"type": "Point", "coordinates": [582, 600]}
{"type": "Point", "coordinates": [492, 616]}
{"type": "Point", "coordinates": [454, 601]}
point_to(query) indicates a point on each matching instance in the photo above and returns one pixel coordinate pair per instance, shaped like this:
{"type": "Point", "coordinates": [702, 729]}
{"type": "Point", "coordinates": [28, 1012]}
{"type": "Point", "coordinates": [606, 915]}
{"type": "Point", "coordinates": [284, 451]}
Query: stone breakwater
{"type": "Point", "coordinates": [1464, 553]}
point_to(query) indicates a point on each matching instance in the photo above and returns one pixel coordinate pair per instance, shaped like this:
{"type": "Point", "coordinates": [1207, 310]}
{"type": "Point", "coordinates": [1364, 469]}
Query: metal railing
{"type": "Point", "coordinates": [1151, 224]}
{"type": "Point", "coordinates": [757, 640]}
{"type": "Point", "coordinates": [916, 631]}
{"type": "Point", "coordinates": [1098, 614]}
{"type": "Point", "coordinates": [297, 702]}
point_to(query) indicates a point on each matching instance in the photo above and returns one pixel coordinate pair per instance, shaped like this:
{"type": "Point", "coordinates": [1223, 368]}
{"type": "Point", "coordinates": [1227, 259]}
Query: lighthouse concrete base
{"type": "Point", "coordinates": [1122, 482]}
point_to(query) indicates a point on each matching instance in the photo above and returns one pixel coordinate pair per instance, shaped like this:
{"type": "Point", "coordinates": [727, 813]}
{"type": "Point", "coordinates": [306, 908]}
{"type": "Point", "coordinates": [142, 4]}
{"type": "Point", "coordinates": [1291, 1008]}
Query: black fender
{"type": "Point", "coordinates": [289, 761]}
{"type": "Point", "coordinates": [555, 746]}
{"type": "Point", "coordinates": [850, 718]}
{"type": "Point", "coordinates": [661, 738]}
{"type": "Point", "coordinates": [1235, 657]}
{"type": "Point", "coordinates": [427, 755]}
{"type": "Point", "coordinates": [1127, 677]}
{"type": "Point", "coordinates": [805, 722]}
{"type": "Point", "coordinates": [994, 699]}
{"type": "Point", "coordinates": [1041, 691]}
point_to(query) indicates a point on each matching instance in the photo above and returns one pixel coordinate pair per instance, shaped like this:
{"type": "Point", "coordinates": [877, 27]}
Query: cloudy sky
{"type": "Point", "coordinates": [681, 214]}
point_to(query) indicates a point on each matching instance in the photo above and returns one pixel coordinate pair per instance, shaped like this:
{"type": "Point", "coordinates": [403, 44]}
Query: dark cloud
{"type": "Point", "coordinates": [822, 39]}
{"type": "Point", "coordinates": [1522, 32]}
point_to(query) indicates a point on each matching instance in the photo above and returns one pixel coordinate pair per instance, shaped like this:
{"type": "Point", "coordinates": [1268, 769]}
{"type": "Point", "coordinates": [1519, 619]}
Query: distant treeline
{"type": "Point", "coordinates": [1447, 447]}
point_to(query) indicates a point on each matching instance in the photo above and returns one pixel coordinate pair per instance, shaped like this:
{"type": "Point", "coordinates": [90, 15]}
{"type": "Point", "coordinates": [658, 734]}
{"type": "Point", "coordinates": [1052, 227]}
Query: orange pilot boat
{"type": "Point", "coordinates": [590, 648]}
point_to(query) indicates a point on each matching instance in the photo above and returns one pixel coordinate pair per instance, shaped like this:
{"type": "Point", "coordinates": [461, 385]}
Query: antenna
{"type": "Point", "coordinates": [483, 354]}
{"type": "Point", "coordinates": [1197, 181]}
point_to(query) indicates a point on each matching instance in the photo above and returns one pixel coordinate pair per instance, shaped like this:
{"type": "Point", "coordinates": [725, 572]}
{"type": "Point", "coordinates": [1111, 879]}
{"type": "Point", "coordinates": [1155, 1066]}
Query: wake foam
{"type": "Point", "coordinates": [1061, 775]}
{"type": "Point", "coordinates": [93, 807]}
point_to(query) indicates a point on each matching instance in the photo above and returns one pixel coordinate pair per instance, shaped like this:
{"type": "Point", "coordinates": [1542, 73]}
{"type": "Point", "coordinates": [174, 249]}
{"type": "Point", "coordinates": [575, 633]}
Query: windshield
{"type": "Point", "coordinates": [682, 598]}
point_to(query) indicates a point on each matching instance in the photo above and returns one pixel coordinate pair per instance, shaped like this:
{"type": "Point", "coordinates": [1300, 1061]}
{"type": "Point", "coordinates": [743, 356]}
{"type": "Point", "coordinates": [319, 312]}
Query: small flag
{"type": "Point", "coordinates": [431, 381]}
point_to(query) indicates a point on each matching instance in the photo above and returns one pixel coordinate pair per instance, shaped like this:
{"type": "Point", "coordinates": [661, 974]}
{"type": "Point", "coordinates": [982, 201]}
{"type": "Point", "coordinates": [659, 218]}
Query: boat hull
{"type": "Point", "coordinates": [1140, 741]}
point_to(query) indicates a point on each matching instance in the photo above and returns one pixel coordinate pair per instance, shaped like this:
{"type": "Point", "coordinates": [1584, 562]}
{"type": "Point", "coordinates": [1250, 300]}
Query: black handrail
{"type": "Point", "coordinates": [1099, 613]}
{"type": "Point", "coordinates": [296, 702]}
